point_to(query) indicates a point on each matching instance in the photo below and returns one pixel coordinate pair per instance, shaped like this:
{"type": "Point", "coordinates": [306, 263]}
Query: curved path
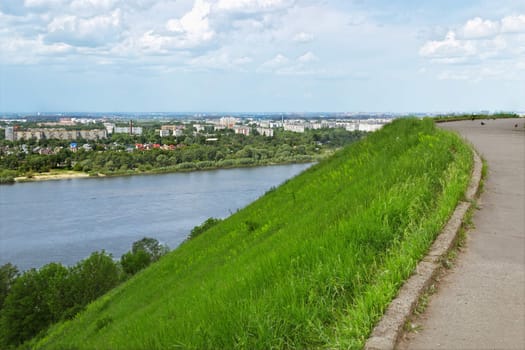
{"type": "Point", "coordinates": [480, 304]}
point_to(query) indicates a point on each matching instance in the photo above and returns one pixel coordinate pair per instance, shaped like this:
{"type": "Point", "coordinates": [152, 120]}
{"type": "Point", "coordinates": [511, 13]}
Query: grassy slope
{"type": "Point", "coordinates": [311, 264]}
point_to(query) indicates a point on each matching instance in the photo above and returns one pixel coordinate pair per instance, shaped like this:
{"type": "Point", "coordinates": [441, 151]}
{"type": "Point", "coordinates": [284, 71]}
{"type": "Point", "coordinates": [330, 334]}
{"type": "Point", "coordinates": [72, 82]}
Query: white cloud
{"type": "Point", "coordinates": [220, 60]}
{"type": "Point", "coordinates": [249, 20]}
{"type": "Point", "coordinates": [43, 3]}
{"type": "Point", "coordinates": [302, 66]}
{"type": "Point", "coordinates": [150, 42]}
{"type": "Point", "coordinates": [493, 48]}
{"type": "Point", "coordinates": [479, 28]}
{"type": "Point", "coordinates": [303, 37]}
{"type": "Point", "coordinates": [308, 57]}
{"type": "Point", "coordinates": [482, 50]}
{"type": "Point", "coordinates": [448, 48]}
{"type": "Point", "coordinates": [273, 64]}
{"type": "Point", "coordinates": [513, 24]}
{"type": "Point", "coordinates": [94, 31]}
{"type": "Point", "coordinates": [92, 6]}
{"type": "Point", "coordinates": [281, 37]}
{"type": "Point", "coordinates": [252, 5]}
{"type": "Point", "coordinates": [242, 60]}
{"type": "Point", "coordinates": [134, 29]}
{"type": "Point", "coordinates": [190, 31]}
{"type": "Point", "coordinates": [448, 75]}
{"type": "Point", "coordinates": [277, 61]}
{"type": "Point", "coordinates": [38, 49]}
{"type": "Point", "coordinates": [193, 28]}
{"type": "Point", "coordinates": [479, 40]}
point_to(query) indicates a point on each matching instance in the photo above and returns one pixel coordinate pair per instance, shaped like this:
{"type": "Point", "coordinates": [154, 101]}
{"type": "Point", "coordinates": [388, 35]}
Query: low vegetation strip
{"type": "Point", "coordinates": [456, 117]}
{"type": "Point", "coordinates": [311, 264]}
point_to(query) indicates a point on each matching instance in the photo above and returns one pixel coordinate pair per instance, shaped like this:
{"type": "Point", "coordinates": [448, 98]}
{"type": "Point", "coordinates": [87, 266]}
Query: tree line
{"type": "Point", "coordinates": [191, 152]}
{"type": "Point", "coordinates": [33, 300]}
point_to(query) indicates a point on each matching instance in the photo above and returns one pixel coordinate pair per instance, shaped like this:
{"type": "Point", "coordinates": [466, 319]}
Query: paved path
{"type": "Point", "coordinates": [480, 304]}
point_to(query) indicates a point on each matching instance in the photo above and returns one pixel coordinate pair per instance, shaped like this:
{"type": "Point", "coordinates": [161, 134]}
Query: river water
{"type": "Point", "coordinates": [66, 220]}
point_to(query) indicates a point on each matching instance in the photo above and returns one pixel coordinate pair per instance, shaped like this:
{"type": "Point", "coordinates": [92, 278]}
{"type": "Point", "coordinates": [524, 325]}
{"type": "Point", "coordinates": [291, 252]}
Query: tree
{"type": "Point", "coordinates": [219, 156]}
{"type": "Point", "coordinates": [143, 253]}
{"type": "Point", "coordinates": [57, 290]}
{"type": "Point", "coordinates": [162, 160]}
{"type": "Point", "coordinates": [8, 275]}
{"type": "Point", "coordinates": [151, 246]}
{"type": "Point", "coordinates": [134, 262]}
{"type": "Point", "coordinates": [94, 276]}
{"type": "Point", "coordinates": [36, 299]}
{"type": "Point", "coordinates": [24, 313]}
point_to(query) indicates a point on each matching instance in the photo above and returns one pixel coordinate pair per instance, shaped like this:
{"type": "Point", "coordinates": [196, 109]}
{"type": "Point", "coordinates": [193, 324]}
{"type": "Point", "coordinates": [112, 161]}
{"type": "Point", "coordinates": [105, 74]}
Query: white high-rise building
{"type": "Point", "coordinates": [9, 133]}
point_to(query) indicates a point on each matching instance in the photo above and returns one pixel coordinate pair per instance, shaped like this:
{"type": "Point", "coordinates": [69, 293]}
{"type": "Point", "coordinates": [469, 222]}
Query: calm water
{"type": "Point", "coordinates": [66, 220]}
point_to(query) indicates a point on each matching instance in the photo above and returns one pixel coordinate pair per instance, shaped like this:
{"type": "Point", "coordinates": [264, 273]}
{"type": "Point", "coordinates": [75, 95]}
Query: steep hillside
{"type": "Point", "coordinates": [311, 264]}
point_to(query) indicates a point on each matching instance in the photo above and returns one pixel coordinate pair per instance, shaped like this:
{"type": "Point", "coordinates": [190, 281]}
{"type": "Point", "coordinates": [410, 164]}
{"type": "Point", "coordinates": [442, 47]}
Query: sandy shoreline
{"type": "Point", "coordinates": [79, 175]}
{"type": "Point", "coordinates": [51, 176]}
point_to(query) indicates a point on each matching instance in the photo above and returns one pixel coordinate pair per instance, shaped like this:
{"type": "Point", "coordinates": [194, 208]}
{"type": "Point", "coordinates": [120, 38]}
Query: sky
{"type": "Point", "coordinates": [262, 55]}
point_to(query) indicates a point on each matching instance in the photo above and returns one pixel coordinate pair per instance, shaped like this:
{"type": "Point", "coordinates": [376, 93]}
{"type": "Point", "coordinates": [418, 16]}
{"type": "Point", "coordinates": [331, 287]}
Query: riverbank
{"type": "Point", "coordinates": [52, 175]}
{"type": "Point", "coordinates": [71, 174]}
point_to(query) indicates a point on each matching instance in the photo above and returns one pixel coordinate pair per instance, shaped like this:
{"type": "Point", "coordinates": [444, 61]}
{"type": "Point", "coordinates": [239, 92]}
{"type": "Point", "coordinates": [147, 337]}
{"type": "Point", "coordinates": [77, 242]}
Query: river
{"type": "Point", "coordinates": [66, 220]}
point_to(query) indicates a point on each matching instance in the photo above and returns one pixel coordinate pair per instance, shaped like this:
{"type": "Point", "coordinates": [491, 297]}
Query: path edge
{"type": "Point", "coordinates": [385, 334]}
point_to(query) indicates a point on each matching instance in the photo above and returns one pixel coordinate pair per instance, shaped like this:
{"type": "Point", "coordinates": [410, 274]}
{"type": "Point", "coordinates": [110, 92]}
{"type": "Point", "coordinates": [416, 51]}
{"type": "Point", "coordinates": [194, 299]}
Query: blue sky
{"type": "Point", "coordinates": [262, 55]}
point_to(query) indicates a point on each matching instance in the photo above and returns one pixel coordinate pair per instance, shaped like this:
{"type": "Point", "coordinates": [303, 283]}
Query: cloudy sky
{"type": "Point", "coordinates": [262, 55]}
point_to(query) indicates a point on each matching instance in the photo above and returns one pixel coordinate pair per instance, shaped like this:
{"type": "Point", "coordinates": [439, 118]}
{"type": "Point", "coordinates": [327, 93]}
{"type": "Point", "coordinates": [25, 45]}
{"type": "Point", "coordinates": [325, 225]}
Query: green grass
{"type": "Point", "coordinates": [312, 264]}
{"type": "Point", "coordinates": [453, 118]}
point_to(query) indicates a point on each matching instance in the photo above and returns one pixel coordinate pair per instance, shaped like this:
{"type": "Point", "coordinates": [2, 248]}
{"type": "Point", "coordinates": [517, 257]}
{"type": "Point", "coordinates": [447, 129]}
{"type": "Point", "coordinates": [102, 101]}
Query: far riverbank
{"type": "Point", "coordinates": [52, 176]}
{"type": "Point", "coordinates": [71, 174]}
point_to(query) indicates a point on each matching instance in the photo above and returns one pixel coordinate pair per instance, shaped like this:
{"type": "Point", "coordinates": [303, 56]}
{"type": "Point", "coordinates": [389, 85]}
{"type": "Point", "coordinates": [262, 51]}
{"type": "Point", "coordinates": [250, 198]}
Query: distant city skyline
{"type": "Point", "coordinates": [270, 56]}
{"type": "Point", "coordinates": [243, 114]}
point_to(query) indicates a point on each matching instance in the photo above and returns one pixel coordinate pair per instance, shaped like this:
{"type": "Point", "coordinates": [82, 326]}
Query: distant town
{"type": "Point", "coordinates": [126, 144]}
{"type": "Point", "coordinates": [58, 127]}
{"type": "Point", "coordinates": [129, 143]}
{"type": "Point", "coordinates": [101, 126]}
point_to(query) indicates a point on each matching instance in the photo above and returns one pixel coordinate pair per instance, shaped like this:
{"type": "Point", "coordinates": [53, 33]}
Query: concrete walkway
{"type": "Point", "coordinates": [480, 304]}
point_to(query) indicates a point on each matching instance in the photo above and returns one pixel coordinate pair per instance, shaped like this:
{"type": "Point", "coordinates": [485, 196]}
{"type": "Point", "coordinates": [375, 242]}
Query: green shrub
{"type": "Point", "coordinates": [7, 176]}
{"type": "Point", "coordinates": [206, 225]}
{"type": "Point", "coordinates": [185, 166]}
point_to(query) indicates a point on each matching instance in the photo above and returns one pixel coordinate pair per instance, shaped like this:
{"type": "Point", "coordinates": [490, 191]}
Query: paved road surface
{"type": "Point", "coordinates": [480, 304]}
